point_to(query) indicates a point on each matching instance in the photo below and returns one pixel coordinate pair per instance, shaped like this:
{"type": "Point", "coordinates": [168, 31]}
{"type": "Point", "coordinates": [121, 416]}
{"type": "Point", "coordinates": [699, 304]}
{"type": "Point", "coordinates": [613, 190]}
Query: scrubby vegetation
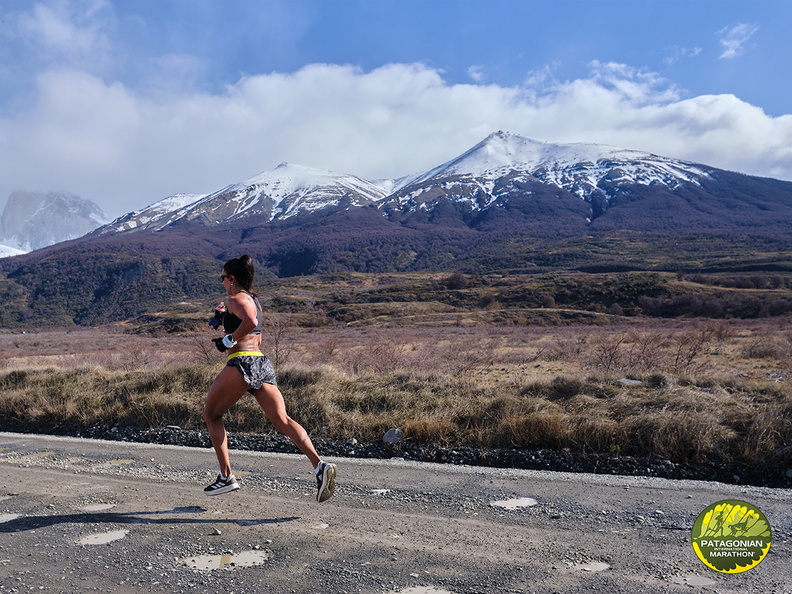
{"type": "Point", "coordinates": [688, 391]}
{"type": "Point", "coordinates": [542, 298]}
{"type": "Point", "coordinates": [110, 279]}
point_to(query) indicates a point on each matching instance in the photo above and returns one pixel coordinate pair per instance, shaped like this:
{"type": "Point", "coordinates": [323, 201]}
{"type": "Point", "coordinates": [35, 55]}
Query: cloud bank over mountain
{"type": "Point", "coordinates": [126, 133]}
{"type": "Point", "coordinates": [126, 150]}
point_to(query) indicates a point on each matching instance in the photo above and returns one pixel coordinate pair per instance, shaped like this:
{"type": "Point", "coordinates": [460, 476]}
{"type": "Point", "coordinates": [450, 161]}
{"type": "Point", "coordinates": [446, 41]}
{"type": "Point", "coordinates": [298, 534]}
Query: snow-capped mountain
{"type": "Point", "coordinates": [32, 220]}
{"type": "Point", "coordinates": [491, 173]}
{"type": "Point", "coordinates": [576, 166]}
{"type": "Point", "coordinates": [592, 172]}
{"type": "Point", "coordinates": [284, 192]}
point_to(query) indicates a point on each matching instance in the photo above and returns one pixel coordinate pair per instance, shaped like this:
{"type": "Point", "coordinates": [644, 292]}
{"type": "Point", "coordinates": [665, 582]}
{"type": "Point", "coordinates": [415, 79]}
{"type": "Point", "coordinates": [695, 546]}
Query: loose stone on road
{"type": "Point", "coordinates": [82, 515]}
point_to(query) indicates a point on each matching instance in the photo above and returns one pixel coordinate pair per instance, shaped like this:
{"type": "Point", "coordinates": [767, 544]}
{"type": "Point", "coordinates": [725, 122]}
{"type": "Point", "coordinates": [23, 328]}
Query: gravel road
{"type": "Point", "coordinates": [85, 515]}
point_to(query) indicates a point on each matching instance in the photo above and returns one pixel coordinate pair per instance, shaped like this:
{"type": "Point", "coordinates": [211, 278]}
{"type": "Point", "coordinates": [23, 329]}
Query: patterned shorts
{"type": "Point", "coordinates": [255, 368]}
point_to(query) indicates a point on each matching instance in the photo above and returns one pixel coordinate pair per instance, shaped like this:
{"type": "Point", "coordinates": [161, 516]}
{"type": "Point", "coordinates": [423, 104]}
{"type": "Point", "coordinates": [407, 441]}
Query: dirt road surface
{"type": "Point", "coordinates": [99, 516]}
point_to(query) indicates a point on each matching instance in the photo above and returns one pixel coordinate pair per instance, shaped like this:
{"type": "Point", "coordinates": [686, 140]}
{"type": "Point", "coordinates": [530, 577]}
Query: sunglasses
{"type": "Point", "coordinates": [224, 276]}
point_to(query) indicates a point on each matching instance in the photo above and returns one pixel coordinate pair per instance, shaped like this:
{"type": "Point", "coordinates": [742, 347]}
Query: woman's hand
{"type": "Point", "coordinates": [224, 343]}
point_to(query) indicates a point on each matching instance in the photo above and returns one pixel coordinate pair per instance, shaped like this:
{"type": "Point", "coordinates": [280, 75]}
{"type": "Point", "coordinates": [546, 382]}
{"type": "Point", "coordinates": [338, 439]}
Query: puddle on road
{"type": "Point", "coordinates": [98, 507]}
{"type": "Point", "coordinates": [693, 580]}
{"type": "Point", "coordinates": [121, 461]}
{"type": "Point", "coordinates": [515, 503]}
{"type": "Point", "coordinates": [226, 561]}
{"type": "Point", "coordinates": [8, 517]}
{"type": "Point", "coordinates": [103, 537]}
{"type": "Point", "coordinates": [593, 566]}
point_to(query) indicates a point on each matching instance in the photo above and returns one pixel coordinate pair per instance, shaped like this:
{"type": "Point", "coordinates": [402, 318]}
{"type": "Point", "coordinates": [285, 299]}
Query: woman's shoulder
{"type": "Point", "coordinates": [241, 299]}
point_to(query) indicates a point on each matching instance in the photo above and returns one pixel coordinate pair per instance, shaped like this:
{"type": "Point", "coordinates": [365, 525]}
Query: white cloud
{"type": "Point", "coordinates": [637, 85]}
{"type": "Point", "coordinates": [734, 40]}
{"type": "Point", "coordinates": [125, 150]}
{"type": "Point", "coordinates": [679, 53]}
{"type": "Point", "coordinates": [66, 30]}
{"type": "Point", "coordinates": [477, 74]}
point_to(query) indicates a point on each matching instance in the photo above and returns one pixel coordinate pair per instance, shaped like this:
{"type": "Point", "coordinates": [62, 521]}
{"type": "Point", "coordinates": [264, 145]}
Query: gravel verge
{"type": "Point", "coordinates": [542, 459]}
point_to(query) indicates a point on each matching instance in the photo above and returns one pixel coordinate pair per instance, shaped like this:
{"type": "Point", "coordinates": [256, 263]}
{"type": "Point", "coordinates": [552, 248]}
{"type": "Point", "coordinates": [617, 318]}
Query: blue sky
{"type": "Point", "coordinates": [127, 102]}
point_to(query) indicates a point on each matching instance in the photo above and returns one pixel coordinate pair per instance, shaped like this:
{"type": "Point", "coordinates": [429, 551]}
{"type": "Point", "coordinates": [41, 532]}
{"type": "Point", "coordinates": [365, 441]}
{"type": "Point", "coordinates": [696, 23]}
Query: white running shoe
{"type": "Point", "coordinates": [221, 486]}
{"type": "Point", "coordinates": [325, 481]}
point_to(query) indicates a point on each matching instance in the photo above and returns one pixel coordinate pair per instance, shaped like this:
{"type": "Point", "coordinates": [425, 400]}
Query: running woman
{"type": "Point", "coordinates": [248, 370]}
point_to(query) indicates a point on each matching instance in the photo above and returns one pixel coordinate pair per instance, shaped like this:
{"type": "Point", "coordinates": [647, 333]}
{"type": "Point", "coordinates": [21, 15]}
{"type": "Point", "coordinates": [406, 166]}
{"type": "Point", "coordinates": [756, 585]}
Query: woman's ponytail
{"type": "Point", "coordinates": [242, 270]}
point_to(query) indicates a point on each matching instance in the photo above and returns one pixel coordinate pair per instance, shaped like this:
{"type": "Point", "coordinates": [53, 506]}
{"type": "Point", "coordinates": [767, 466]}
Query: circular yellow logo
{"type": "Point", "coordinates": [731, 536]}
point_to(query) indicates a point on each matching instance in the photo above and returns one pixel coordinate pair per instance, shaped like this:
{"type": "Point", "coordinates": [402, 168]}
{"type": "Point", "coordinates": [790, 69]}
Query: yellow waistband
{"type": "Point", "coordinates": [245, 354]}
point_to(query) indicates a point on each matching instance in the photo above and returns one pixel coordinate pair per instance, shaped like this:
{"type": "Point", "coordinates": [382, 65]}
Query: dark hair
{"type": "Point", "coordinates": [242, 270]}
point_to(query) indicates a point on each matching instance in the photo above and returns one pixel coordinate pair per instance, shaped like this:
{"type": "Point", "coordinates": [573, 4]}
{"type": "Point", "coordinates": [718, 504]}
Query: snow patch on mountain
{"type": "Point", "coordinates": [293, 189]}
{"type": "Point", "coordinates": [152, 214]}
{"type": "Point", "coordinates": [7, 250]}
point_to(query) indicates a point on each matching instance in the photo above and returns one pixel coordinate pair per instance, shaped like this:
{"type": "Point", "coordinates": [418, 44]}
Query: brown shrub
{"type": "Point", "coordinates": [769, 434]}
{"type": "Point", "coordinates": [681, 436]}
{"type": "Point", "coordinates": [564, 387]}
{"type": "Point", "coordinates": [540, 429]}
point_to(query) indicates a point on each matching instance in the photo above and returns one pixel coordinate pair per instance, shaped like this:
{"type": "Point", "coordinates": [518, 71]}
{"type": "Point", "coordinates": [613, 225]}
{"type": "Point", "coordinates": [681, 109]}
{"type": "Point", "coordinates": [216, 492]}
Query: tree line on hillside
{"type": "Point", "coordinates": [750, 281]}
{"type": "Point", "coordinates": [716, 306]}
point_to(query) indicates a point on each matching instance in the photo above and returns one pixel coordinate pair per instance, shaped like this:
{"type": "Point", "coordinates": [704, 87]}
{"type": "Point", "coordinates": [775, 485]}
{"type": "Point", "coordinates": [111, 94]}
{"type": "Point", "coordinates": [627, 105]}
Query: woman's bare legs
{"type": "Point", "coordinates": [270, 400]}
{"type": "Point", "coordinates": [226, 390]}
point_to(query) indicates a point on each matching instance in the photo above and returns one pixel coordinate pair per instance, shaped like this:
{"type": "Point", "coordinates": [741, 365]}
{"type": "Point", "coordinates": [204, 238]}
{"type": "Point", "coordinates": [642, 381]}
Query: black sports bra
{"type": "Point", "coordinates": [231, 322]}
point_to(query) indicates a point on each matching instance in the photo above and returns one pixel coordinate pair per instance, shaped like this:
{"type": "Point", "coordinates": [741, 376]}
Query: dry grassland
{"type": "Point", "coordinates": [688, 391]}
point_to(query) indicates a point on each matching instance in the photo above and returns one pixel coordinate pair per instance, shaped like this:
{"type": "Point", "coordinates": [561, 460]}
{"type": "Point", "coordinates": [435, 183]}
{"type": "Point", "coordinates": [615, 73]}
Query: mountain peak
{"type": "Point", "coordinates": [285, 191]}
{"type": "Point", "coordinates": [289, 166]}
{"type": "Point", "coordinates": [582, 165]}
{"type": "Point", "coordinates": [290, 178]}
{"type": "Point", "coordinates": [32, 220]}
{"type": "Point", "coordinates": [503, 149]}
{"type": "Point", "coordinates": [502, 136]}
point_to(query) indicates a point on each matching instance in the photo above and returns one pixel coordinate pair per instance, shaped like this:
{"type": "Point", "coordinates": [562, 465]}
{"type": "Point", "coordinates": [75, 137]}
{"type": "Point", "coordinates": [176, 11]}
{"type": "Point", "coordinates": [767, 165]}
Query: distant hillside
{"type": "Point", "coordinates": [33, 220]}
{"type": "Point", "coordinates": [509, 205]}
